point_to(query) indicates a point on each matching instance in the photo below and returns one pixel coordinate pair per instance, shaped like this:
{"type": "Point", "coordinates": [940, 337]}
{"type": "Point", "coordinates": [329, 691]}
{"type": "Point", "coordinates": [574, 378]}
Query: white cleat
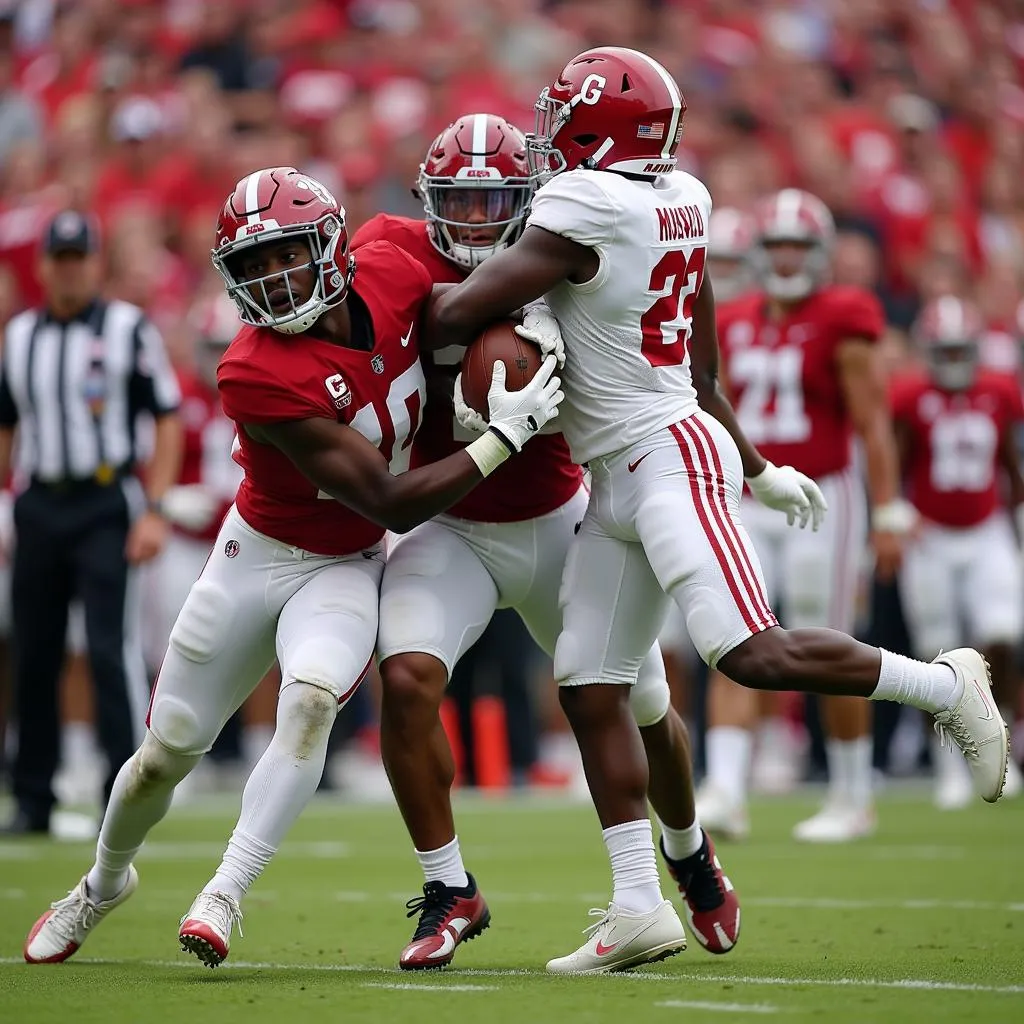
{"type": "Point", "coordinates": [59, 933]}
{"type": "Point", "coordinates": [206, 929]}
{"type": "Point", "coordinates": [722, 816]}
{"type": "Point", "coordinates": [836, 822]}
{"type": "Point", "coordinates": [622, 939]}
{"type": "Point", "coordinates": [974, 723]}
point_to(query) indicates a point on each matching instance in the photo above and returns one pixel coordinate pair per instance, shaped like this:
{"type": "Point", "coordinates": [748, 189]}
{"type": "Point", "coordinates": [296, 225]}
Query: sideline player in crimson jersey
{"type": "Point", "coordinates": [503, 545]}
{"type": "Point", "coordinates": [800, 360]}
{"type": "Point", "coordinates": [956, 425]}
{"type": "Point", "coordinates": [616, 242]}
{"type": "Point", "coordinates": [325, 387]}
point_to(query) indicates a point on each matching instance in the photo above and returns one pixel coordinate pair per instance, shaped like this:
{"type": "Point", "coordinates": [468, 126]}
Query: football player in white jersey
{"type": "Point", "coordinates": [616, 243]}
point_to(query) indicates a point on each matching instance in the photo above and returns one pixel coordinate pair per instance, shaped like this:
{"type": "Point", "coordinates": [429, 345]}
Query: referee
{"type": "Point", "coordinates": [75, 376]}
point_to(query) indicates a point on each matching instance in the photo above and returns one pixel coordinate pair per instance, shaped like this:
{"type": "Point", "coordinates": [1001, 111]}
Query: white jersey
{"type": "Point", "coordinates": [627, 369]}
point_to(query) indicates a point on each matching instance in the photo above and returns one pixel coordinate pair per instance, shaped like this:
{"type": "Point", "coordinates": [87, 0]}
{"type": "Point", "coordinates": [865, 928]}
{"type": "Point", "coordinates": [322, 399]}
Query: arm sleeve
{"type": "Point", "coordinates": [154, 382]}
{"type": "Point", "coordinates": [576, 207]}
{"type": "Point", "coordinates": [249, 397]}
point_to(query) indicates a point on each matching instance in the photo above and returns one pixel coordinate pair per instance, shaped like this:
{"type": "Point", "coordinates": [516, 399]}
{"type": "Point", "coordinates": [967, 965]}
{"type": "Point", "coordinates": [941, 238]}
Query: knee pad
{"type": "Point", "coordinates": [203, 625]}
{"type": "Point", "coordinates": [305, 715]}
{"type": "Point", "coordinates": [325, 663]}
{"type": "Point", "coordinates": [649, 699]}
{"type": "Point", "coordinates": [153, 765]}
{"type": "Point", "coordinates": [174, 723]}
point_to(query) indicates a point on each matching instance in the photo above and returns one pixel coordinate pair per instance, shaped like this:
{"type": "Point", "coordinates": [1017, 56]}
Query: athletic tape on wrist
{"type": "Point", "coordinates": [488, 451]}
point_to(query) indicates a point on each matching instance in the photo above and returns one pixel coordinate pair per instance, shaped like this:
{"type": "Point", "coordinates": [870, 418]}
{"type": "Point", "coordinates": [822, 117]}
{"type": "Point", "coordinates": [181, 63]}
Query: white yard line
{"type": "Point", "coordinates": [915, 984]}
{"type": "Point", "coordinates": [411, 986]}
{"type": "Point", "coordinates": [690, 1004]}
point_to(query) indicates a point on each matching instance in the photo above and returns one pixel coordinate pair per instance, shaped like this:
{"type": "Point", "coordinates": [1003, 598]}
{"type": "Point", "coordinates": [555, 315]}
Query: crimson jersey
{"type": "Point", "coordinates": [206, 456]}
{"type": "Point", "coordinates": [542, 477]}
{"type": "Point", "coordinates": [952, 443]}
{"type": "Point", "coordinates": [783, 377]}
{"type": "Point", "coordinates": [269, 377]}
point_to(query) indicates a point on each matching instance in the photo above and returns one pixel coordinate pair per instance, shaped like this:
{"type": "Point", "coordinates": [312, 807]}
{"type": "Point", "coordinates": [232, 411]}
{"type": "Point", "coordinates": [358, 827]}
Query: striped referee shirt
{"type": "Point", "coordinates": [75, 388]}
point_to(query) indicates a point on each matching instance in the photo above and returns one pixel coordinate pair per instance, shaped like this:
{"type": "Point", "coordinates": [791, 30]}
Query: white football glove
{"type": "Point", "coordinates": [467, 416]}
{"type": "Point", "coordinates": [515, 416]}
{"type": "Point", "coordinates": [785, 489]}
{"type": "Point", "coordinates": [540, 327]}
{"type": "Point", "coordinates": [191, 506]}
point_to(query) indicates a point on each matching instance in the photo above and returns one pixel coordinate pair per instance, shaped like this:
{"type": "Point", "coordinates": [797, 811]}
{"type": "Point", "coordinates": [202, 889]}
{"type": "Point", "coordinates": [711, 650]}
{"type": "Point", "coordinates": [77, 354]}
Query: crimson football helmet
{"type": "Point", "coordinates": [730, 237]}
{"type": "Point", "coordinates": [274, 204]}
{"type": "Point", "coordinates": [946, 333]}
{"type": "Point", "coordinates": [475, 185]}
{"type": "Point", "coordinates": [794, 216]}
{"type": "Point", "coordinates": [611, 109]}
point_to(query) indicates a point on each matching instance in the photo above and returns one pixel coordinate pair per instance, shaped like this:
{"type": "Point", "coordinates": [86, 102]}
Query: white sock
{"type": "Point", "coordinates": [635, 883]}
{"type": "Point", "coordinates": [728, 760]}
{"type": "Point", "coordinates": [244, 861]}
{"type": "Point", "coordinates": [681, 843]}
{"type": "Point", "coordinates": [849, 769]}
{"type": "Point", "coordinates": [444, 865]}
{"type": "Point", "coordinates": [282, 783]}
{"type": "Point", "coordinates": [920, 684]}
{"type": "Point", "coordinates": [137, 802]}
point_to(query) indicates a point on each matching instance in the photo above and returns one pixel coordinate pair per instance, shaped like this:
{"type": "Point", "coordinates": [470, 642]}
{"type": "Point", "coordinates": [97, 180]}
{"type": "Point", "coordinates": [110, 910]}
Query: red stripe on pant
{"type": "Point", "coordinates": [747, 607]}
{"type": "Point", "coordinates": [698, 429]}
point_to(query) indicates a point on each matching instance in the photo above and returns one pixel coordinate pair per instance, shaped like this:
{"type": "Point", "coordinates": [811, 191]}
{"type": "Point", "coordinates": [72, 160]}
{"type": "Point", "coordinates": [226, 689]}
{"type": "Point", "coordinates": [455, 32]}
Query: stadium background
{"type": "Point", "coordinates": [905, 116]}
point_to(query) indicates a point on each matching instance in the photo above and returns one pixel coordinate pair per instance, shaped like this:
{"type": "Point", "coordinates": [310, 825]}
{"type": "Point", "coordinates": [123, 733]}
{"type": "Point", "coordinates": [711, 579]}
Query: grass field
{"type": "Point", "coordinates": [923, 923]}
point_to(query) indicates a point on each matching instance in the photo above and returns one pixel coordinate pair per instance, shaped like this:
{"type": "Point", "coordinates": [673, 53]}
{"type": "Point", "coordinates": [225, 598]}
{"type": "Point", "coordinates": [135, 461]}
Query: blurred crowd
{"type": "Point", "coordinates": [905, 116]}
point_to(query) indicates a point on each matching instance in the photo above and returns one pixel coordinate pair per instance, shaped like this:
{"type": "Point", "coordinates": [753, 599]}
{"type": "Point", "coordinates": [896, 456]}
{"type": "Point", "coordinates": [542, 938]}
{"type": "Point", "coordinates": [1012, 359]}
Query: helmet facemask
{"type": "Point", "coordinates": [953, 364]}
{"type": "Point", "coordinates": [811, 275]}
{"type": "Point", "coordinates": [252, 296]}
{"type": "Point", "coordinates": [492, 209]}
{"type": "Point", "coordinates": [550, 116]}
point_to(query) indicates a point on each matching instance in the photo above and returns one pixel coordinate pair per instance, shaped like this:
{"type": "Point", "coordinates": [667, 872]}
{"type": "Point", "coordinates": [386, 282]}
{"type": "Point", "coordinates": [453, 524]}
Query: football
{"type": "Point", "coordinates": [522, 360]}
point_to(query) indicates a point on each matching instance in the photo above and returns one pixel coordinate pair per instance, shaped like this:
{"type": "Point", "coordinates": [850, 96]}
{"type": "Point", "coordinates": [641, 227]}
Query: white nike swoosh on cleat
{"type": "Point", "coordinates": [449, 940]}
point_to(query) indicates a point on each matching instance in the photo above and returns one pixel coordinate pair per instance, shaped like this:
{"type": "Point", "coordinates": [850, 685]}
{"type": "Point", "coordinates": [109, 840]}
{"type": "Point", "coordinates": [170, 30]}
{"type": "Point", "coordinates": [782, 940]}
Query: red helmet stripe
{"type": "Point", "coordinates": [675, 101]}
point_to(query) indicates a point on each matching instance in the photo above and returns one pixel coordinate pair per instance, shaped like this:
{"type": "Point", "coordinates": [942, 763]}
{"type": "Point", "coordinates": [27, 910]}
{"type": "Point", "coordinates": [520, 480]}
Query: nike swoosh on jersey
{"type": "Point", "coordinates": [448, 941]}
{"type": "Point", "coordinates": [632, 466]}
{"type": "Point", "coordinates": [408, 334]}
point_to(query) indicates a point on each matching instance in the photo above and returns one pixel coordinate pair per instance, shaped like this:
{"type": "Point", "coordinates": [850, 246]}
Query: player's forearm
{"type": "Point", "coordinates": [164, 466]}
{"type": "Point", "coordinates": [881, 462]}
{"type": "Point", "coordinates": [6, 452]}
{"type": "Point", "coordinates": [713, 401]}
{"type": "Point", "coordinates": [399, 503]}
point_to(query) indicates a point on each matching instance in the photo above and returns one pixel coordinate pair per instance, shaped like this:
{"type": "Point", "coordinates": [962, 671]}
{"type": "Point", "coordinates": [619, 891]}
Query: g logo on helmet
{"type": "Point", "coordinates": [590, 91]}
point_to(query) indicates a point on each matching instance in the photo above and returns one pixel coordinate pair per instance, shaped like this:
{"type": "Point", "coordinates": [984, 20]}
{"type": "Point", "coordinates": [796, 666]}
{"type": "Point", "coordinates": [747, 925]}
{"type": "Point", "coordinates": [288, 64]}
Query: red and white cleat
{"type": "Point", "coordinates": [448, 917]}
{"type": "Point", "coordinates": [58, 934]}
{"type": "Point", "coordinates": [712, 906]}
{"type": "Point", "coordinates": [206, 929]}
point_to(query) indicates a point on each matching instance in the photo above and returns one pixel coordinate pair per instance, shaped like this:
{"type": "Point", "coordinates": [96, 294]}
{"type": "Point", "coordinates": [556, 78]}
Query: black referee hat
{"type": "Point", "coordinates": [71, 231]}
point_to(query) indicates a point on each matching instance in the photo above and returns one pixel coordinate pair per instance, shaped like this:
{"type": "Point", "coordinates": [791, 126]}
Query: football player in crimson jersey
{"type": "Point", "coordinates": [503, 545]}
{"type": "Point", "coordinates": [956, 425]}
{"type": "Point", "coordinates": [803, 372]}
{"type": "Point", "coordinates": [325, 388]}
{"type": "Point", "coordinates": [616, 241]}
